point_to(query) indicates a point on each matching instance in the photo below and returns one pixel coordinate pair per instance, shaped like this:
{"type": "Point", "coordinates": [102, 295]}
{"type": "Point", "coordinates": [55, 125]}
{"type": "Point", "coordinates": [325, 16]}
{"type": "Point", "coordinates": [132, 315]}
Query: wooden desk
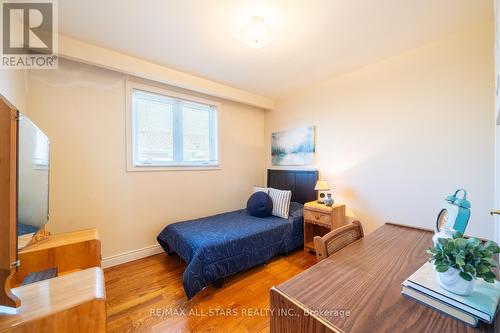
{"type": "Point", "coordinates": [364, 280]}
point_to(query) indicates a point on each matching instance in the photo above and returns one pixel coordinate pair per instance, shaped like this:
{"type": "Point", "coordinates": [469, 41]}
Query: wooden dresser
{"type": "Point", "coordinates": [69, 252]}
{"type": "Point", "coordinates": [319, 220]}
{"type": "Point", "coordinates": [75, 301]}
{"type": "Point", "coordinates": [358, 289]}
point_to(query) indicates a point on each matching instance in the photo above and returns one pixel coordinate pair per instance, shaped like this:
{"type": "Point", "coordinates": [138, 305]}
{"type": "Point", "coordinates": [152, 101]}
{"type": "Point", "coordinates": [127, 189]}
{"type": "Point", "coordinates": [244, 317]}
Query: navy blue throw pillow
{"type": "Point", "coordinates": [260, 204]}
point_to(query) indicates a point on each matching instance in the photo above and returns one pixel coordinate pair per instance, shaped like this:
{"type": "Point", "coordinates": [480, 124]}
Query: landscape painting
{"type": "Point", "coordinates": [293, 147]}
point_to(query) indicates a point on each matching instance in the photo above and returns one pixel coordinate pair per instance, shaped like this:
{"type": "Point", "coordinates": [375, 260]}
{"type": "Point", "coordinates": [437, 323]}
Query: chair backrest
{"type": "Point", "coordinates": [338, 238]}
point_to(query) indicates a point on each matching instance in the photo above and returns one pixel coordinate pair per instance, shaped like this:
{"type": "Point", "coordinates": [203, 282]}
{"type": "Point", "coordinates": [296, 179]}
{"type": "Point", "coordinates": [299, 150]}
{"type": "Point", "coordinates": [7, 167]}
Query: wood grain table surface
{"type": "Point", "coordinates": [364, 280]}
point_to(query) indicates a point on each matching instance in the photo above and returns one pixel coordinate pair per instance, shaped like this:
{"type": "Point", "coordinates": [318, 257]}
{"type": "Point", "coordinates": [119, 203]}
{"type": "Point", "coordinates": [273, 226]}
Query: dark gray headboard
{"type": "Point", "coordinates": [300, 182]}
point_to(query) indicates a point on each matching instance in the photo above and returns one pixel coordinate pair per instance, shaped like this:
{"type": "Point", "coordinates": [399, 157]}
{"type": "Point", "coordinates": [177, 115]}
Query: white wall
{"type": "Point", "coordinates": [82, 110]}
{"type": "Point", "coordinates": [396, 137]}
{"type": "Point", "coordinates": [497, 118]}
{"type": "Point", "coordinates": [13, 86]}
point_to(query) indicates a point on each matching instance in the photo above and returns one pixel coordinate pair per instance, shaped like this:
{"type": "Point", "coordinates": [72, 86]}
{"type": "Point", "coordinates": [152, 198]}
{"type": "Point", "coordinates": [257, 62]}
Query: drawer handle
{"type": "Point", "coordinates": [317, 217]}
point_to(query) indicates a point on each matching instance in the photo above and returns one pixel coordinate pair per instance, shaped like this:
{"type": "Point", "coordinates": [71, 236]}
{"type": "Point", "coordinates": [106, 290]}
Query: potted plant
{"type": "Point", "coordinates": [460, 261]}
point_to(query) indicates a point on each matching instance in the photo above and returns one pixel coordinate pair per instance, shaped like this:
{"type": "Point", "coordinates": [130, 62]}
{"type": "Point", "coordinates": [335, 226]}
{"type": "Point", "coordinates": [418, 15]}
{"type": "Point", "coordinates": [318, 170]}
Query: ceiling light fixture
{"type": "Point", "coordinates": [256, 33]}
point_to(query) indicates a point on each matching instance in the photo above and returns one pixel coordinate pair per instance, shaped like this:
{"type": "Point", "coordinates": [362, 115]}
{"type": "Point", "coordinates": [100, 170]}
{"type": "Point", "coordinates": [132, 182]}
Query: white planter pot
{"type": "Point", "coordinates": [445, 232]}
{"type": "Point", "coordinates": [451, 281]}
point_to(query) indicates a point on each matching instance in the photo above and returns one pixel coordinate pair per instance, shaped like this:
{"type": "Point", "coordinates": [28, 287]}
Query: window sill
{"type": "Point", "coordinates": [173, 168]}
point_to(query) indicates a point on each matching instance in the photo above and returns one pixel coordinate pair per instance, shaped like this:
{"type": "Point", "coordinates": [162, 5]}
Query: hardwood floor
{"type": "Point", "coordinates": [146, 295]}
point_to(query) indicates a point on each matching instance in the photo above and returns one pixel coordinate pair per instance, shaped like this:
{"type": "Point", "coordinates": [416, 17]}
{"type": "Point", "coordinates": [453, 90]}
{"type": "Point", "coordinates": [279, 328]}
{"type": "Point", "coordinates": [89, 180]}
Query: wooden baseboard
{"type": "Point", "coordinates": [122, 258]}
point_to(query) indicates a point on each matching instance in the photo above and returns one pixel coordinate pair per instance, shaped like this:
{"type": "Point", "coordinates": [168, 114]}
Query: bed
{"type": "Point", "coordinates": [218, 246]}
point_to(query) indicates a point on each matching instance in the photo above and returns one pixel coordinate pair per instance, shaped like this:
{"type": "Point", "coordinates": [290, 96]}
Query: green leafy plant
{"type": "Point", "coordinates": [473, 258]}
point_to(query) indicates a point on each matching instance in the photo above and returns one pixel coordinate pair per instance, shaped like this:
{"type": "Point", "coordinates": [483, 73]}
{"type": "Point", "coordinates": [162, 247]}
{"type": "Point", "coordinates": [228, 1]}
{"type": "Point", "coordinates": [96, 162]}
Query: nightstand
{"type": "Point", "coordinates": [319, 220]}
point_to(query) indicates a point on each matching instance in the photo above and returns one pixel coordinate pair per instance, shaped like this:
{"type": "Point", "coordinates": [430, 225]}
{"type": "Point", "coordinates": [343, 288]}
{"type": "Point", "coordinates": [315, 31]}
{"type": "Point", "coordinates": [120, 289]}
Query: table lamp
{"type": "Point", "coordinates": [321, 186]}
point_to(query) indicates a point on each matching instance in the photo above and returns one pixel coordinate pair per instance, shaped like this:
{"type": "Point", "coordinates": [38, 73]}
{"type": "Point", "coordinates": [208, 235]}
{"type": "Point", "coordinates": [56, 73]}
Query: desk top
{"type": "Point", "coordinates": [365, 279]}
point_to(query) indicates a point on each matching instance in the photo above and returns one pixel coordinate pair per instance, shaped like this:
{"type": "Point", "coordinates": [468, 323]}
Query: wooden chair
{"type": "Point", "coordinates": [338, 238]}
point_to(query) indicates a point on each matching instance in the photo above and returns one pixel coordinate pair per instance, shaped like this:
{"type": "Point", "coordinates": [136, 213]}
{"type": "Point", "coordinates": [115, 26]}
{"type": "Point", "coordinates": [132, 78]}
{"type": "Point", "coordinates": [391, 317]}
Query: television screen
{"type": "Point", "coordinates": [33, 178]}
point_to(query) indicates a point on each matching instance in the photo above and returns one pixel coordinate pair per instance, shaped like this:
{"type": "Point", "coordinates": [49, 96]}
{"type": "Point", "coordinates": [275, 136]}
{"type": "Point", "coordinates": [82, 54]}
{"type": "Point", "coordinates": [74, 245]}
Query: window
{"type": "Point", "coordinates": [41, 151]}
{"type": "Point", "coordinates": [172, 132]}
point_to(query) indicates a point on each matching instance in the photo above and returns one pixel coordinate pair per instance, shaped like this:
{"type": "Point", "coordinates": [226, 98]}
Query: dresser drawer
{"type": "Point", "coordinates": [317, 217]}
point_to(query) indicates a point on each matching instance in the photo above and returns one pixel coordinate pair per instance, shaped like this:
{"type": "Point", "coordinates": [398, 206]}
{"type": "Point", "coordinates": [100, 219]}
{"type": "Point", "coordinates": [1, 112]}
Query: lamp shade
{"type": "Point", "coordinates": [322, 185]}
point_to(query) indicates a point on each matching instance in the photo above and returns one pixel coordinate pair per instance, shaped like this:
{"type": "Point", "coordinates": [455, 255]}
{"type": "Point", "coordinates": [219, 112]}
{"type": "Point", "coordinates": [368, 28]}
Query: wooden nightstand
{"type": "Point", "coordinates": [319, 220]}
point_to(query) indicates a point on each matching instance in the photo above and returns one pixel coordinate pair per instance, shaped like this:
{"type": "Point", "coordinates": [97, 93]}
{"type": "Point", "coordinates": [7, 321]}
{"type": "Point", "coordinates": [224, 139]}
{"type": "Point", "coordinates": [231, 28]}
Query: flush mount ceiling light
{"type": "Point", "coordinates": [256, 33]}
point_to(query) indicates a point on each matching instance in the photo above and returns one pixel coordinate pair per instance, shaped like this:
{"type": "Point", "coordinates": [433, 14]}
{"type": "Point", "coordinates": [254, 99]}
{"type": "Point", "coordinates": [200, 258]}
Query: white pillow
{"type": "Point", "coordinates": [281, 202]}
{"type": "Point", "coordinates": [260, 189]}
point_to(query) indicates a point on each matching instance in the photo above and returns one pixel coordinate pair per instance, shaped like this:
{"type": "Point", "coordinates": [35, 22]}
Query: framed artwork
{"type": "Point", "coordinates": [293, 147]}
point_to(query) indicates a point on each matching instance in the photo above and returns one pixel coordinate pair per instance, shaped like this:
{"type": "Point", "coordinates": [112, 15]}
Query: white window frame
{"type": "Point", "coordinates": [130, 86]}
{"type": "Point", "coordinates": [41, 158]}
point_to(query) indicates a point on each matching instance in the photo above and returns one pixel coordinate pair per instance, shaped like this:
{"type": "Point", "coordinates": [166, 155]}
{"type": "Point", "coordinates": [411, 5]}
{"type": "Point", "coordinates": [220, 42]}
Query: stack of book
{"type": "Point", "coordinates": [482, 304]}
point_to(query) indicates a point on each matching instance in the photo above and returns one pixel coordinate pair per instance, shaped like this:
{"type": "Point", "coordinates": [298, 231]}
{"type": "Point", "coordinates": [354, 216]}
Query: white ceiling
{"type": "Point", "coordinates": [312, 39]}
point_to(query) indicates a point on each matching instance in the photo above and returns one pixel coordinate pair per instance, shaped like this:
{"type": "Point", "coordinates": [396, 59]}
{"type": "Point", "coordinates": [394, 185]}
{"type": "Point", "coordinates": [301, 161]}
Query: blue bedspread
{"type": "Point", "coordinates": [218, 246]}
